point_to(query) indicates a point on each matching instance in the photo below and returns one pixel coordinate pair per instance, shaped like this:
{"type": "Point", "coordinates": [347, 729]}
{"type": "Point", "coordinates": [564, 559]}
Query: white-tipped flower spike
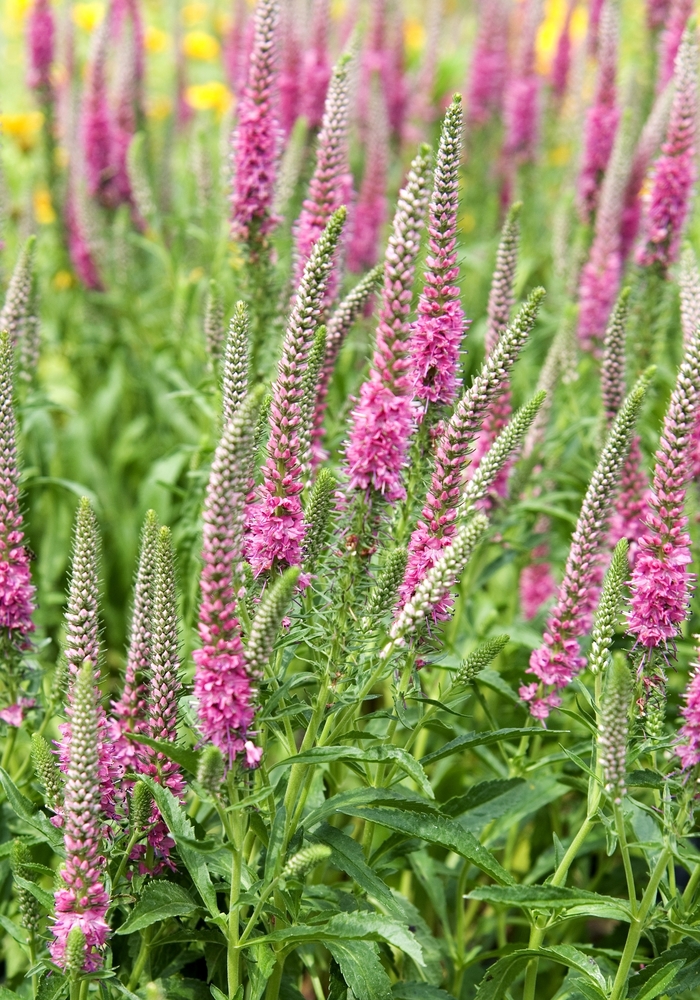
{"type": "Point", "coordinates": [221, 684]}
{"type": "Point", "coordinates": [437, 523]}
{"type": "Point", "coordinates": [14, 312]}
{"type": "Point", "coordinates": [383, 420]}
{"type": "Point", "coordinates": [128, 713]}
{"type": "Point", "coordinates": [236, 367]}
{"type": "Point", "coordinates": [139, 183]}
{"type": "Point", "coordinates": [82, 900]}
{"type": "Point", "coordinates": [47, 771]}
{"type": "Point", "coordinates": [613, 727]}
{"type": "Point", "coordinates": [331, 184]}
{"type": "Point", "coordinates": [339, 325]}
{"type": "Point", "coordinates": [275, 520]}
{"type": "Point", "coordinates": [612, 370]}
{"type": "Point", "coordinates": [304, 861]}
{"type": "Point", "coordinates": [689, 284]}
{"type": "Point", "coordinates": [557, 661]}
{"type": "Point", "coordinates": [440, 325]}
{"type": "Point", "coordinates": [268, 619]}
{"type": "Point", "coordinates": [510, 438]}
{"type": "Point", "coordinates": [439, 579]}
{"type": "Point", "coordinates": [502, 294]}
{"type": "Point", "coordinates": [480, 658]}
{"type": "Point", "coordinates": [316, 517]}
{"type": "Point", "coordinates": [311, 381]}
{"type": "Point", "coordinates": [382, 597]}
{"type": "Point", "coordinates": [214, 330]}
{"type": "Point", "coordinates": [608, 613]}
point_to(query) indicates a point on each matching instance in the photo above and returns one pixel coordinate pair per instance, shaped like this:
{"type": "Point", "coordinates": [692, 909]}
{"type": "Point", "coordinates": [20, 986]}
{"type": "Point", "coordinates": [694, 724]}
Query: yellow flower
{"type": "Point", "coordinates": [62, 281]}
{"type": "Point", "coordinates": [194, 13]}
{"type": "Point", "coordinates": [17, 9]}
{"type": "Point", "coordinates": [209, 96]}
{"type": "Point", "coordinates": [43, 209]}
{"type": "Point", "coordinates": [159, 108]}
{"type": "Point", "coordinates": [338, 9]}
{"type": "Point", "coordinates": [223, 23]}
{"type": "Point", "coordinates": [23, 128]}
{"type": "Point", "coordinates": [236, 260]}
{"type": "Point", "coordinates": [155, 40]}
{"type": "Point", "coordinates": [200, 45]}
{"type": "Point", "coordinates": [414, 34]}
{"type": "Point", "coordinates": [467, 223]}
{"type": "Point", "coordinates": [560, 155]}
{"type": "Point", "coordinates": [195, 275]}
{"type": "Point", "coordinates": [579, 23]}
{"type": "Point", "coordinates": [88, 15]}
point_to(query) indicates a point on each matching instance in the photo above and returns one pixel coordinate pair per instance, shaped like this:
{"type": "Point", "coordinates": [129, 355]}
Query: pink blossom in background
{"type": "Point", "coordinates": [676, 21]}
{"type": "Point", "coordinates": [41, 32]}
{"type": "Point", "coordinates": [521, 112]}
{"type": "Point", "coordinates": [370, 211]}
{"type": "Point", "coordinates": [675, 170]}
{"type": "Point", "coordinates": [289, 80]}
{"type": "Point", "coordinates": [688, 748]}
{"type": "Point", "coordinates": [489, 63]}
{"type": "Point", "coordinates": [537, 584]}
{"type": "Point", "coordinates": [78, 248]}
{"type": "Point", "coordinates": [632, 502]}
{"type": "Point", "coordinates": [657, 12]}
{"type": "Point", "coordinates": [97, 127]}
{"type": "Point", "coordinates": [316, 66]}
{"type": "Point", "coordinates": [238, 46]}
{"type": "Point", "coordinates": [255, 142]}
{"type": "Point", "coordinates": [601, 118]}
{"type": "Point", "coordinates": [561, 64]}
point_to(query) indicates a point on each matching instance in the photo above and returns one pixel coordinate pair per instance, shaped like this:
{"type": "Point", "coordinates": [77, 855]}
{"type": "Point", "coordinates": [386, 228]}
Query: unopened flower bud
{"type": "Point", "coordinates": [140, 807]}
{"type": "Point", "coordinates": [480, 658]}
{"type": "Point", "coordinates": [316, 518]}
{"type": "Point", "coordinates": [47, 771]}
{"type": "Point", "coordinates": [304, 861]}
{"type": "Point", "coordinates": [75, 952]}
{"type": "Point", "coordinates": [613, 727]}
{"type": "Point", "coordinates": [210, 772]}
{"type": "Point", "coordinates": [28, 905]}
{"type": "Point", "coordinates": [268, 619]}
{"type": "Point", "coordinates": [382, 597]}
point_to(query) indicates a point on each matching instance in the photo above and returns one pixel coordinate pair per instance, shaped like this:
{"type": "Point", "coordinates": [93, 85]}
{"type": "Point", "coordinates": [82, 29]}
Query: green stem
{"type": "Point", "coordinates": [637, 926]}
{"type": "Point", "coordinates": [626, 860]}
{"type": "Point", "coordinates": [141, 959]}
{"type": "Point", "coordinates": [233, 955]}
{"type": "Point", "coordinates": [273, 984]}
{"type": "Point", "coordinates": [9, 747]}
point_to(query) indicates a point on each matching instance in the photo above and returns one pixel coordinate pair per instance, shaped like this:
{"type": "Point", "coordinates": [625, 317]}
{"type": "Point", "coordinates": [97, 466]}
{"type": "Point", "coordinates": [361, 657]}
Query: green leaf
{"type": "Point", "coordinates": [13, 930]}
{"type": "Point", "coordinates": [25, 809]}
{"type": "Point", "coordinates": [659, 981]}
{"type": "Point", "coordinates": [179, 825]}
{"type": "Point", "coordinates": [158, 901]}
{"type": "Point", "coordinates": [349, 857]}
{"type": "Point", "coordinates": [482, 740]}
{"type": "Point", "coordinates": [415, 817]}
{"type": "Point", "coordinates": [189, 759]}
{"type": "Point", "coordinates": [542, 897]}
{"type": "Point", "coordinates": [358, 926]}
{"type": "Point", "coordinates": [361, 969]}
{"type": "Point", "coordinates": [372, 755]}
{"type": "Point", "coordinates": [418, 991]}
{"type": "Point", "coordinates": [500, 975]}
{"type": "Point", "coordinates": [6, 994]}
{"type": "Point", "coordinates": [686, 978]}
{"type": "Point", "coordinates": [52, 986]}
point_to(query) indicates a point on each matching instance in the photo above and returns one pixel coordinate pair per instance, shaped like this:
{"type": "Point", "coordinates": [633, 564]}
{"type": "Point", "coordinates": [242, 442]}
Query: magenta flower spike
{"type": "Point", "coordinates": [255, 143]}
{"type": "Point", "coordinates": [676, 22]}
{"type": "Point", "coordinates": [489, 63]}
{"type": "Point", "coordinates": [521, 103]}
{"type": "Point", "coordinates": [657, 12]}
{"type": "Point", "coordinates": [78, 248]}
{"type": "Point", "coordinates": [382, 421]}
{"type": "Point", "coordinates": [370, 212]}
{"type": "Point", "coordinates": [97, 129]}
{"type": "Point", "coordinates": [536, 584]}
{"type": "Point", "coordinates": [688, 748]}
{"type": "Point", "coordinates": [395, 80]}
{"type": "Point", "coordinates": [595, 11]}
{"type": "Point", "coordinates": [222, 687]}
{"type": "Point", "coordinates": [632, 502]}
{"type": "Point", "coordinates": [438, 521]}
{"type": "Point", "coordinates": [558, 659]}
{"type": "Point", "coordinates": [316, 66]}
{"type": "Point", "coordinates": [561, 64]}
{"type": "Point", "coordinates": [41, 32]}
{"type": "Point", "coordinates": [438, 332]}
{"type": "Point", "coordinates": [289, 79]}
{"type": "Point", "coordinates": [674, 171]}
{"type": "Point", "coordinates": [331, 183]}
{"type": "Point", "coordinates": [82, 643]}
{"type": "Point", "coordinates": [660, 583]}
{"type": "Point", "coordinates": [82, 900]}
{"type": "Point", "coordinates": [16, 590]}
{"type": "Point", "coordinates": [602, 118]}
{"type": "Point", "coordinates": [128, 713]}
{"type": "Point", "coordinates": [649, 141]}
{"type": "Point", "coordinates": [276, 520]}
{"type": "Point", "coordinates": [163, 688]}
{"type": "Point", "coordinates": [238, 46]}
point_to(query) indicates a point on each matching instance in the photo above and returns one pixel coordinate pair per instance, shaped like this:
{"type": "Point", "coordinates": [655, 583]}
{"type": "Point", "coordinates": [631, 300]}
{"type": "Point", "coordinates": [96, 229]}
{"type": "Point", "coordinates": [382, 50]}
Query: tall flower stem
{"type": "Point", "coordinates": [233, 955]}
{"type": "Point", "coordinates": [637, 925]}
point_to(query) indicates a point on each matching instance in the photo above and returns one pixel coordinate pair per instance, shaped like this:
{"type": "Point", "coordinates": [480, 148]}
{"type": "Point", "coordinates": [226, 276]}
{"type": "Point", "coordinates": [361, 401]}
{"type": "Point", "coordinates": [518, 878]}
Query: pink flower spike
{"type": "Point", "coordinates": [438, 332]}
{"type": "Point", "coordinates": [82, 901]}
{"type": "Point", "coordinates": [16, 589]}
{"type": "Point", "coordinates": [688, 748]}
{"type": "Point", "coordinates": [561, 64]}
{"type": "Point", "coordinates": [602, 118]}
{"type": "Point", "coordinates": [676, 21]}
{"type": "Point", "coordinates": [316, 67]}
{"type": "Point", "coordinates": [255, 143]}
{"type": "Point", "coordinates": [674, 171]}
{"type": "Point", "coordinates": [289, 79]}
{"type": "Point", "coordinates": [660, 584]}
{"type": "Point", "coordinates": [383, 419]}
{"type": "Point", "coordinates": [40, 38]}
{"type": "Point", "coordinates": [369, 214]}
{"type": "Point", "coordinates": [489, 63]}
{"type": "Point", "coordinates": [521, 105]}
{"type": "Point", "coordinates": [558, 660]}
{"type": "Point", "coordinates": [97, 128]}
